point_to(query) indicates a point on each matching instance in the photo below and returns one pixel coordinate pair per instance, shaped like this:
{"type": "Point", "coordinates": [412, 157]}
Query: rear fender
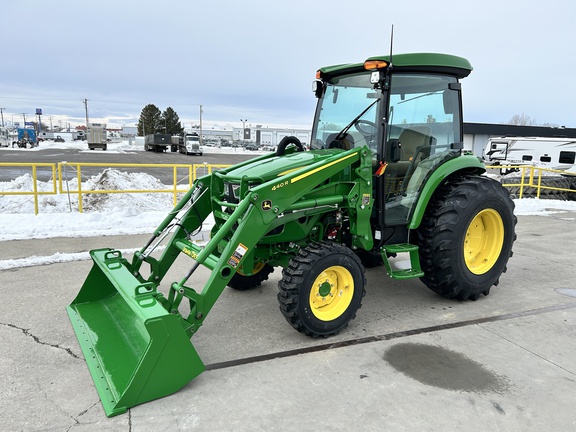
{"type": "Point", "coordinates": [467, 164]}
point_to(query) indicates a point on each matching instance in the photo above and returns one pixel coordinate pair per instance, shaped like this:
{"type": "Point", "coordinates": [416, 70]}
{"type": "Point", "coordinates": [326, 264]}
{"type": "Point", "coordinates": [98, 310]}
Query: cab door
{"type": "Point", "coordinates": [423, 125]}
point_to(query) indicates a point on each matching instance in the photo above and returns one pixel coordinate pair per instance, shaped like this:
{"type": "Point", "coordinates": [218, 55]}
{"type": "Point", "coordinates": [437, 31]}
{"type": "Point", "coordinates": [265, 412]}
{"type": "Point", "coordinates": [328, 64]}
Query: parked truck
{"type": "Point", "coordinates": [52, 136]}
{"type": "Point", "coordinates": [188, 144]}
{"type": "Point", "coordinates": [26, 138]}
{"type": "Point", "coordinates": [192, 145]}
{"type": "Point", "coordinates": [176, 142]}
{"type": "Point", "coordinates": [386, 176]}
{"type": "Point", "coordinates": [157, 142]}
{"type": "Point", "coordinates": [96, 136]}
{"type": "Point", "coordinates": [79, 135]}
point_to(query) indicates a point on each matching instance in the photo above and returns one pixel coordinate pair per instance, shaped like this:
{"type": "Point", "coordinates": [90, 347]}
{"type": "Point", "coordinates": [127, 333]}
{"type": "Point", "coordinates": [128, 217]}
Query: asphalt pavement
{"type": "Point", "coordinates": [71, 155]}
{"type": "Point", "coordinates": [410, 361]}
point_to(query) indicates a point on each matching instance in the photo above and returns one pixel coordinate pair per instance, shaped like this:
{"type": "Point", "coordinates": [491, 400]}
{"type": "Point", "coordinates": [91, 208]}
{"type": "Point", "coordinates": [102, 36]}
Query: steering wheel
{"type": "Point", "coordinates": [366, 128]}
{"type": "Point", "coordinates": [285, 142]}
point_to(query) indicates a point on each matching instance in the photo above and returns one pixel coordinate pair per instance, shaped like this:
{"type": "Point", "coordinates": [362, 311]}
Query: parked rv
{"type": "Point", "coordinates": [553, 153]}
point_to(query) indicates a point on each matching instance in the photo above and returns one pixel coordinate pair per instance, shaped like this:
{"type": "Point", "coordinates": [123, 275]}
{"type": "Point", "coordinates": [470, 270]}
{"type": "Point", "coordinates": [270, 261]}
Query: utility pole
{"type": "Point", "coordinates": [86, 109]}
{"type": "Point", "coordinates": [2, 114]}
{"type": "Point", "coordinates": [24, 115]}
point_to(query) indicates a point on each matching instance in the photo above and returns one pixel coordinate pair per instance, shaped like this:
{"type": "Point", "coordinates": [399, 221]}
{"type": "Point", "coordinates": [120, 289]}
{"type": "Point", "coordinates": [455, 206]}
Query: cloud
{"type": "Point", "coordinates": [259, 57]}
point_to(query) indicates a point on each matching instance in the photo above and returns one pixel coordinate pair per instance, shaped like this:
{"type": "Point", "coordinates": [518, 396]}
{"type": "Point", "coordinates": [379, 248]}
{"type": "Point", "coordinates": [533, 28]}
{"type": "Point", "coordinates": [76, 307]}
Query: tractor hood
{"type": "Point", "coordinates": [263, 169]}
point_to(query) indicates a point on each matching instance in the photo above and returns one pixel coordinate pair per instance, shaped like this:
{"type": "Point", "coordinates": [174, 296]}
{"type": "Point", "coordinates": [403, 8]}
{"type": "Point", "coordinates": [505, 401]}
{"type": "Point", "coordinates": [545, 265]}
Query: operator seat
{"type": "Point", "coordinates": [415, 145]}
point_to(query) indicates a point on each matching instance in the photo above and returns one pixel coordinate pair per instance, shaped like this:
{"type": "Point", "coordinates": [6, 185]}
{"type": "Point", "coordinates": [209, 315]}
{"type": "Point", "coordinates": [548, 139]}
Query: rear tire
{"type": "Point", "coordinates": [321, 289]}
{"type": "Point", "coordinates": [466, 237]}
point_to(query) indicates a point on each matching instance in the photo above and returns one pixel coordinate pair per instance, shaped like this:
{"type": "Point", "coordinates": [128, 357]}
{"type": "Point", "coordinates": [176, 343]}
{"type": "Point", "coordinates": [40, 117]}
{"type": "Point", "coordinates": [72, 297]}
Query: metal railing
{"type": "Point", "coordinates": [181, 181]}
{"type": "Point", "coordinates": [538, 178]}
{"type": "Point", "coordinates": [35, 192]}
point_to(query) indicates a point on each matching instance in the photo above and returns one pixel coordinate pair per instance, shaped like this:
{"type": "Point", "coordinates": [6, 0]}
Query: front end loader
{"type": "Point", "coordinates": [385, 175]}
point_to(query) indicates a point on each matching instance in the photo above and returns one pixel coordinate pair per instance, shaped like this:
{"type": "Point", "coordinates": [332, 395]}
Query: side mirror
{"type": "Point", "coordinates": [450, 99]}
{"type": "Point", "coordinates": [395, 150]}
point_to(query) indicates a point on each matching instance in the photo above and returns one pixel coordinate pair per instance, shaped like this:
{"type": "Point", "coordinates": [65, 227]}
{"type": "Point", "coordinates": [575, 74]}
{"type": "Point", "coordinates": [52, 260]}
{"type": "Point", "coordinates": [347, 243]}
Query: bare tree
{"type": "Point", "coordinates": [522, 120]}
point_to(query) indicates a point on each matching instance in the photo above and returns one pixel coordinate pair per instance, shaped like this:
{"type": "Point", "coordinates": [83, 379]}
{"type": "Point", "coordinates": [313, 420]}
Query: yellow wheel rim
{"type": "Point", "coordinates": [331, 293]}
{"type": "Point", "coordinates": [257, 268]}
{"type": "Point", "coordinates": [483, 242]}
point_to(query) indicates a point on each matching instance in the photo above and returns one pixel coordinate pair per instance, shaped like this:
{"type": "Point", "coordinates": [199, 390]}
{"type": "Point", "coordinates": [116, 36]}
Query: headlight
{"type": "Point", "coordinates": [232, 192]}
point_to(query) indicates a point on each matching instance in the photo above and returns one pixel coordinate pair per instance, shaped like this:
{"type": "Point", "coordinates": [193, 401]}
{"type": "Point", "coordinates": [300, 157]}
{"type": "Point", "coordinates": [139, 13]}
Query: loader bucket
{"type": "Point", "coordinates": [135, 349]}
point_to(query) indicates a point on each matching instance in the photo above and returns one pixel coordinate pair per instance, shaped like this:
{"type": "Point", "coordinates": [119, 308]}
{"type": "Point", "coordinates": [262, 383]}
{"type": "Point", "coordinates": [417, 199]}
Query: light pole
{"type": "Point", "coordinates": [243, 130]}
{"type": "Point", "coordinates": [200, 138]}
{"type": "Point", "coordinates": [2, 114]}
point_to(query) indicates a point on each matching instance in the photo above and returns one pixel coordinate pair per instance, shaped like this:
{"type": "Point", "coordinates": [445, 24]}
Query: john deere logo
{"type": "Point", "coordinates": [266, 205]}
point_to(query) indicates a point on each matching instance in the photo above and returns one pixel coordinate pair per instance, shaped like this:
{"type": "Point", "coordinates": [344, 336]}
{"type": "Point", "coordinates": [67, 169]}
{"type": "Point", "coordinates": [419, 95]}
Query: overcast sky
{"type": "Point", "coordinates": [256, 59]}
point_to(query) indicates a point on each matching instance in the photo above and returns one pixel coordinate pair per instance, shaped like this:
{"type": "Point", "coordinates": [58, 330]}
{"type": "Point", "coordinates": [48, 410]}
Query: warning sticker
{"type": "Point", "coordinates": [237, 255]}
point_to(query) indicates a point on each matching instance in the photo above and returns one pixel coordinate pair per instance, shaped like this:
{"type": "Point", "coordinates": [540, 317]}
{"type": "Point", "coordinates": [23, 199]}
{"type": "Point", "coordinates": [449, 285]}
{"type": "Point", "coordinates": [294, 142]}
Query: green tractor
{"type": "Point", "coordinates": [385, 175]}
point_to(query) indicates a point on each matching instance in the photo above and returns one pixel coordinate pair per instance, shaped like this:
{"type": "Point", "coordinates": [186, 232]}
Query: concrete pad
{"type": "Point", "coordinates": [462, 379]}
{"type": "Point", "coordinates": [411, 360]}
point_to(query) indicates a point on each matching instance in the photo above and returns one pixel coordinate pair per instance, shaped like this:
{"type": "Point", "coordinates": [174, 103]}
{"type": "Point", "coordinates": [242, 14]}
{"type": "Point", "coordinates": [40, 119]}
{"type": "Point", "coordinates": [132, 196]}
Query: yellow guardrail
{"type": "Point", "coordinates": [181, 181]}
{"type": "Point", "coordinates": [528, 177]}
{"type": "Point", "coordinates": [533, 177]}
{"type": "Point", "coordinates": [35, 192]}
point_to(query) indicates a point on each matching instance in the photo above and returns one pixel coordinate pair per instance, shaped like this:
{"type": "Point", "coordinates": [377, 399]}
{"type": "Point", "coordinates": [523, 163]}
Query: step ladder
{"type": "Point", "coordinates": [414, 271]}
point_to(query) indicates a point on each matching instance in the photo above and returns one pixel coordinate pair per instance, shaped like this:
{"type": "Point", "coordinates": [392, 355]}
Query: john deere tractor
{"type": "Point", "coordinates": [385, 175]}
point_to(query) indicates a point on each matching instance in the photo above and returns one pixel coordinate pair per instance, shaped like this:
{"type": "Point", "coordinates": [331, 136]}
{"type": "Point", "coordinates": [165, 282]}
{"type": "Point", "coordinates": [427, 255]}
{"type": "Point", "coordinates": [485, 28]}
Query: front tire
{"type": "Point", "coordinates": [243, 282]}
{"type": "Point", "coordinates": [466, 237]}
{"type": "Point", "coordinates": [321, 289]}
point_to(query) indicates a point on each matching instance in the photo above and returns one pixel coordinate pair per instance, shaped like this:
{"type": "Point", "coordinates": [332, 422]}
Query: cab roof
{"type": "Point", "coordinates": [411, 62]}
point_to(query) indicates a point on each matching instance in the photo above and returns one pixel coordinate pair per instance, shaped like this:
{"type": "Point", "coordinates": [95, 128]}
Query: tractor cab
{"type": "Point", "coordinates": [409, 117]}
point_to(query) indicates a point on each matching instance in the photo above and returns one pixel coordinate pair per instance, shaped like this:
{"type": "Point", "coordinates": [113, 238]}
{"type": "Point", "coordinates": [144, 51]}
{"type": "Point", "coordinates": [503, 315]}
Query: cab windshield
{"type": "Point", "coordinates": [346, 115]}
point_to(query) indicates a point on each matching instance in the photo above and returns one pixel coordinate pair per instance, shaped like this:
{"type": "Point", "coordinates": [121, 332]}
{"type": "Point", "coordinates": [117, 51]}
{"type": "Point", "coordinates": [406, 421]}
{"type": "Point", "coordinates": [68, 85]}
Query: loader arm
{"type": "Point", "coordinates": [135, 341]}
{"type": "Point", "coordinates": [254, 216]}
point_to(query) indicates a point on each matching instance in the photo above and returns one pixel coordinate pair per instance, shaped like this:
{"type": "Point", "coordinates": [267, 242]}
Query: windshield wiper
{"type": "Point", "coordinates": [343, 132]}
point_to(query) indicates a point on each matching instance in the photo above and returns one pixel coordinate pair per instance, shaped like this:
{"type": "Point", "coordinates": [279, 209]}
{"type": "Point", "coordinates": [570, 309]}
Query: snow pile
{"type": "Point", "coordinates": [23, 203]}
{"type": "Point", "coordinates": [104, 214]}
{"type": "Point", "coordinates": [111, 179]}
{"type": "Point", "coordinates": [103, 223]}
